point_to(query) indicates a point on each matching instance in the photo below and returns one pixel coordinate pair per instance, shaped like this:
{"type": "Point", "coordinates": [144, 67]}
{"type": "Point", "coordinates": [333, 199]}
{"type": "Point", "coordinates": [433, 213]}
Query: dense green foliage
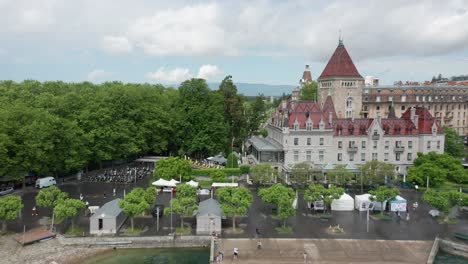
{"type": "Point", "coordinates": [211, 172]}
{"type": "Point", "coordinates": [374, 172]}
{"type": "Point", "coordinates": [262, 173]}
{"type": "Point", "coordinates": [55, 128]}
{"type": "Point", "coordinates": [234, 202]}
{"type": "Point", "coordinates": [300, 173]}
{"type": "Point", "coordinates": [383, 194]}
{"type": "Point", "coordinates": [231, 161]}
{"type": "Point", "coordinates": [173, 168]}
{"type": "Point", "coordinates": [68, 208]}
{"type": "Point", "coordinates": [453, 144]}
{"type": "Point", "coordinates": [244, 169]}
{"type": "Point", "coordinates": [10, 206]}
{"type": "Point", "coordinates": [134, 203]}
{"type": "Point", "coordinates": [185, 202]}
{"type": "Point", "coordinates": [340, 175]}
{"type": "Point", "coordinates": [282, 197]}
{"type": "Point", "coordinates": [445, 201]}
{"type": "Point", "coordinates": [218, 176]}
{"type": "Point", "coordinates": [50, 197]}
{"type": "Point", "coordinates": [309, 92]}
{"type": "Point", "coordinates": [438, 167]}
{"type": "Point", "coordinates": [317, 192]}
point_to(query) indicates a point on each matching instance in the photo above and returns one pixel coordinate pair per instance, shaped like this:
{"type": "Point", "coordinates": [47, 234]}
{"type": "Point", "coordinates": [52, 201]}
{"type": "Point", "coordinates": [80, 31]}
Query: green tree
{"type": "Point", "coordinates": [374, 172]}
{"type": "Point", "coordinates": [419, 175]}
{"type": "Point", "coordinates": [68, 208]}
{"type": "Point", "coordinates": [317, 192]}
{"type": "Point", "coordinates": [262, 173]}
{"type": "Point", "coordinates": [50, 197]}
{"type": "Point", "coordinates": [282, 197]}
{"type": "Point", "coordinates": [134, 204]}
{"type": "Point", "coordinates": [453, 144]}
{"type": "Point", "coordinates": [340, 174]}
{"type": "Point", "coordinates": [150, 195]}
{"type": "Point", "coordinates": [309, 92]}
{"type": "Point", "coordinates": [218, 176]}
{"type": "Point", "coordinates": [245, 169]}
{"type": "Point", "coordinates": [255, 115]}
{"type": "Point", "coordinates": [300, 173]}
{"type": "Point", "coordinates": [383, 194]}
{"type": "Point", "coordinates": [185, 202]}
{"type": "Point", "coordinates": [173, 167]}
{"type": "Point", "coordinates": [10, 207]}
{"type": "Point", "coordinates": [234, 202]}
{"type": "Point", "coordinates": [231, 161]}
{"type": "Point", "coordinates": [449, 166]}
{"type": "Point", "coordinates": [445, 201]}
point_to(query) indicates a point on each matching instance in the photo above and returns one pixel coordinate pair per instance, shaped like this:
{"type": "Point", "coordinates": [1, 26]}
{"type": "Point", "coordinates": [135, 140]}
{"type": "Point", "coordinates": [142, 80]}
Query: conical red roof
{"type": "Point", "coordinates": [340, 65]}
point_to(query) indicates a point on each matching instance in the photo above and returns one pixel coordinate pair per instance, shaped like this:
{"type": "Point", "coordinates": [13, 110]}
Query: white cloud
{"type": "Point", "coordinates": [176, 75]}
{"type": "Point", "coordinates": [116, 45]}
{"type": "Point", "coordinates": [3, 51]}
{"type": "Point", "coordinates": [209, 72]}
{"type": "Point", "coordinates": [99, 75]}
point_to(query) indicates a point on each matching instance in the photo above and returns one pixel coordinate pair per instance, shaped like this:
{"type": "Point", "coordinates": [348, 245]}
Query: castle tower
{"type": "Point", "coordinates": [306, 76]}
{"type": "Point", "coordinates": [341, 80]}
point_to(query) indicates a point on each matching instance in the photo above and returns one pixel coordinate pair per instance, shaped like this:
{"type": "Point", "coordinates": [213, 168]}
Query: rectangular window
{"type": "Point", "coordinates": [438, 144]}
{"type": "Point", "coordinates": [363, 156]}
{"type": "Point", "coordinates": [397, 143]}
{"type": "Point", "coordinates": [428, 145]}
{"type": "Point", "coordinates": [321, 141]}
{"type": "Point", "coordinates": [387, 143]}
{"type": "Point", "coordinates": [363, 144]}
{"type": "Point", "coordinates": [339, 156]}
{"type": "Point", "coordinates": [397, 156]}
{"type": "Point", "coordinates": [390, 98]}
{"type": "Point", "coordinates": [351, 144]}
{"type": "Point", "coordinates": [296, 155]}
{"type": "Point", "coordinates": [374, 156]}
{"type": "Point", "coordinates": [321, 155]}
{"type": "Point", "coordinates": [375, 144]}
{"type": "Point", "coordinates": [308, 155]}
{"type": "Point", "coordinates": [308, 141]}
{"type": "Point", "coordinates": [340, 144]}
{"type": "Point", "coordinates": [417, 98]}
{"type": "Point", "coordinates": [403, 98]}
{"type": "Point", "coordinates": [351, 157]}
{"type": "Point", "coordinates": [403, 108]}
{"type": "Point", "coordinates": [377, 98]}
{"type": "Point", "coordinates": [410, 144]}
{"type": "Point", "coordinates": [296, 141]}
{"type": "Point", "coordinates": [385, 156]}
{"type": "Point", "coordinates": [410, 156]}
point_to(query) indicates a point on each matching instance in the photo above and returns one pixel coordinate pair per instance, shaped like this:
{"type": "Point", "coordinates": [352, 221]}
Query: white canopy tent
{"type": "Point", "coordinates": [361, 202]}
{"type": "Point", "coordinates": [163, 183]}
{"type": "Point", "coordinates": [224, 184]}
{"type": "Point", "coordinates": [345, 203]}
{"type": "Point", "coordinates": [192, 183]}
{"type": "Point", "coordinates": [174, 181]}
{"type": "Point", "coordinates": [399, 204]}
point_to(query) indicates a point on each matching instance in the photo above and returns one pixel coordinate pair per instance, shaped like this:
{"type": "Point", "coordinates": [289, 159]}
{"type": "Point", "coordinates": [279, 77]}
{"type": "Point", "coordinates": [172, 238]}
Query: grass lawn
{"type": "Point", "coordinates": [284, 230]}
{"type": "Point", "coordinates": [129, 232]}
{"type": "Point", "coordinates": [77, 231]}
{"type": "Point", "coordinates": [326, 216]}
{"type": "Point", "coordinates": [183, 230]}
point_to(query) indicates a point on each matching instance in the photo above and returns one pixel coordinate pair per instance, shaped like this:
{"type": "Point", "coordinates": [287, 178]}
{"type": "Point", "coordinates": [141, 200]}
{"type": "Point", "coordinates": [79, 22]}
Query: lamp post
{"type": "Point", "coordinates": [232, 156]}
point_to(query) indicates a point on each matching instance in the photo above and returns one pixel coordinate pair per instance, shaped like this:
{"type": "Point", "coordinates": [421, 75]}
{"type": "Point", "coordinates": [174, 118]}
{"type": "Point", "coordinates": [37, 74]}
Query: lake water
{"type": "Point", "coordinates": [152, 256]}
{"type": "Point", "coordinates": [445, 258]}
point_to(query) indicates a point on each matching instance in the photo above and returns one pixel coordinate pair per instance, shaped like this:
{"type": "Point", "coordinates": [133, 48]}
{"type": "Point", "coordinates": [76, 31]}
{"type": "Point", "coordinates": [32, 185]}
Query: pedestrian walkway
{"type": "Point", "coordinates": [326, 251]}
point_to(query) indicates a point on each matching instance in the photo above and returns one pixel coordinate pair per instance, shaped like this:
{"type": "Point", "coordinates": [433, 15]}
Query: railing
{"type": "Point", "coordinates": [352, 149]}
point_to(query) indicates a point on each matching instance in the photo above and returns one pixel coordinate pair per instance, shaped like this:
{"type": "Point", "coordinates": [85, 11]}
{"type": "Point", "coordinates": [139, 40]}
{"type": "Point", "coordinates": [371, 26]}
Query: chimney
{"type": "Point", "coordinates": [414, 117]}
{"type": "Point", "coordinates": [378, 116]}
{"type": "Point", "coordinates": [330, 118]}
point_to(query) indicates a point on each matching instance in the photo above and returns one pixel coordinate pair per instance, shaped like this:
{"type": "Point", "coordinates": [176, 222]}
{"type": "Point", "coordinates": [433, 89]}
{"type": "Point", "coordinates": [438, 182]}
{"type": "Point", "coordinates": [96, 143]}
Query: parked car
{"type": "Point", "coordinates": [6, 190]}
{"type": "Point", "coordinates": [154, 211]}
{"type": "Point", "coordinates": [45, 182]}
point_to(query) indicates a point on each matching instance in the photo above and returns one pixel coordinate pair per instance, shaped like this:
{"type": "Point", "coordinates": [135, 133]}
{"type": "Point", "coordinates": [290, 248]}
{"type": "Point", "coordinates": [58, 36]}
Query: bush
{"type": "Point", "coordinates": [209, 172]}
{"type": "Point", "coordinates": [218, 176]}
{"type": "Point", "coordinates": [231, 161]}
{"type": "Point", "coordinates": [245, 169]}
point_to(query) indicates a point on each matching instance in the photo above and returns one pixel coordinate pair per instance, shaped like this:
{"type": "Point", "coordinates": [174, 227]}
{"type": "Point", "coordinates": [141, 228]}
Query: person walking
{"type": "Point", "coordinates": [34, 211]}
{"type": "Point", "coordinates": [305, 257]}
{"type": "Point", "coordinates": [259, 244]}
{"type": "Point", "coordinates": [81, 197]}
{"type": "Point", "coordinates": [113, 191]}
{"type": "Point", "coordinates": [236, 253]}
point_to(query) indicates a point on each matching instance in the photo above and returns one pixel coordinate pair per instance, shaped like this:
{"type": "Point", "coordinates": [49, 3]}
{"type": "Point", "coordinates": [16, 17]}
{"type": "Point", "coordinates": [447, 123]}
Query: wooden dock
{"type": "Point", "coordinates": [34, 235]}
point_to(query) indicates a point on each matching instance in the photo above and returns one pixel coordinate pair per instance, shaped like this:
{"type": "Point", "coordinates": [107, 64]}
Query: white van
{"type": "Point", "coordinates": [45, 182]}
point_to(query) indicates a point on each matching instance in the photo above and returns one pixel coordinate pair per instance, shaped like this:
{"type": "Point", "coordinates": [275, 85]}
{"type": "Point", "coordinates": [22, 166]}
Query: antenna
{"type": "Point", "coordinates": [340, 38]}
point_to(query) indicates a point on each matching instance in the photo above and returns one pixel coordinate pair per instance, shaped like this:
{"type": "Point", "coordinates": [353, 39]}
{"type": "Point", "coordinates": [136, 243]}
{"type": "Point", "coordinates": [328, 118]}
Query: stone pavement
{"type": "Point", "coordinates": [326, 251]}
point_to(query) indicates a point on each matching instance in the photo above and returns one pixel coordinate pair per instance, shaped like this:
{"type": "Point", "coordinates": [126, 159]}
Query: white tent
{"type": "Point", "coordinates": [174, 181]}
{"type": "Point", "coordinates": [192, 183]}
{"type": "Point", "coordinates": [163, 183]}
{"type": "Point", "coordinates": [361, 202]}
{"type": "Point", "coordinates": [345, 203]}
{"type": "Point", "coordinates": [399, 204]}
{"type": "Point", "coordinates": [224, 184]}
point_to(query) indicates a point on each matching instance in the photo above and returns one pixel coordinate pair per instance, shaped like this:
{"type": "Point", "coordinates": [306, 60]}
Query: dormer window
{"type": "Point", "coordinates": [321, 125]}
{"type": "Point", "coordinates": [309, 125]}
{"type": "Point", "coordinates": [296, 125]}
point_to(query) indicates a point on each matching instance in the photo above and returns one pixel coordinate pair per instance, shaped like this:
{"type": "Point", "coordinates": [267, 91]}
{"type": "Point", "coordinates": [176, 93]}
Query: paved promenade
{"type": "Point", "coordinates": [326, 251]}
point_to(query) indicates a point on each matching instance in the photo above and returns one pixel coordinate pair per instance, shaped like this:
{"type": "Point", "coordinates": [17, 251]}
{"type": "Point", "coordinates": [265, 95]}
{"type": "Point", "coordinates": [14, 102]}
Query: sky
{"type": "Point", "coordinates": [254, 41]}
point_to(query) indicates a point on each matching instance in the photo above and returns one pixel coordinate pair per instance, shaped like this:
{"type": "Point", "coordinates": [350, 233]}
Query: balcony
{"type": "Point", "coordinates": [352, 149]}
{"type": "Point", "coordinates": [399, 149]}
{"type": "Point", "coordinates": [375, 137]}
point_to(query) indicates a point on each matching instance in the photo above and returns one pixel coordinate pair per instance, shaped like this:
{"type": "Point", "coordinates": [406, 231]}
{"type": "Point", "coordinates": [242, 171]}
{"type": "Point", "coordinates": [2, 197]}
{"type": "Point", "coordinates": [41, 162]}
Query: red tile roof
{"type": "Point", "coordinates": [425, 120]}
{"type": "Point", "coordinates": [306, 76]}
{"type": "Point", "coordinates": [340, 65]}
{"type": "Point", "coordinates": [303, 110]}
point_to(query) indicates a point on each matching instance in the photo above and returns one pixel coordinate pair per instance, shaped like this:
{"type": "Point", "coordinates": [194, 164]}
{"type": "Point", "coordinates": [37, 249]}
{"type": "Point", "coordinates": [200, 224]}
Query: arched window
{"type": "Point", "coordinates": [349, 102]}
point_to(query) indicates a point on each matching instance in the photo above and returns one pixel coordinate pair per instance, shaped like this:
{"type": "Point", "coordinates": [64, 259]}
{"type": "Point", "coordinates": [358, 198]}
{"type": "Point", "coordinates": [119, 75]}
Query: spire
{"type": "Point", "coordinates": [340, 39]}
{"type": "Point", "coordinates": [391, 111]}
{"type": "Point", "coordinates": [340, 64]}
{"type": "Point", "coordinates": [306, 76]}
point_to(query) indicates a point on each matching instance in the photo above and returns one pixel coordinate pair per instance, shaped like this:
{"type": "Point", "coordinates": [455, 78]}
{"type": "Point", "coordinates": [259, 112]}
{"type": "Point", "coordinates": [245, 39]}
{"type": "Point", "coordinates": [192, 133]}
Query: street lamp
{"type": "Point", "coordinates": [232, 156]}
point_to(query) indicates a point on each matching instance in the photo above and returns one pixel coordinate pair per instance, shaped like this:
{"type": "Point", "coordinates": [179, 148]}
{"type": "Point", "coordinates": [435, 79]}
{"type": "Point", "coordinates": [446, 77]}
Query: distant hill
{"type": "Point", "coordinates": [253, 89]}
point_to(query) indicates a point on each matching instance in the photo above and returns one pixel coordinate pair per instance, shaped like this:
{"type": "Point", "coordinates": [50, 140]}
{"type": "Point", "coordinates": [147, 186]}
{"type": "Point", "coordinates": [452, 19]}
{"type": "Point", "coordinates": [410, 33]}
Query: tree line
{"type": "Point", "coordinates": [54, 128]}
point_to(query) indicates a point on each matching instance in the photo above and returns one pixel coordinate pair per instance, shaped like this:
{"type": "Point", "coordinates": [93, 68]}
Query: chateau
{"type": "Point", "coordinates": [346, 125]}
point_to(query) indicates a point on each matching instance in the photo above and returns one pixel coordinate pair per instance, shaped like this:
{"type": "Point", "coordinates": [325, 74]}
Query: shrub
{"type": "Point", "coordinates": [209, 172]}
{"type": "Point", "coordinates": [245, 169]}
{"type": "Point", "coordinates": [231, 161]}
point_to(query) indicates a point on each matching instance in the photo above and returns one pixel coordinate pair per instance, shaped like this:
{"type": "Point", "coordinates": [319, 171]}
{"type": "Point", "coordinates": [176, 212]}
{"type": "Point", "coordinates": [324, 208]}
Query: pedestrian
{"type": "Point", "coordinates": [34, 211]}
{"type": "Point", "coordinates": [104, 195]}
{"type": "Point", "coordinates": [218, 258]}
{"type": "Point", "coordinates": [87, 204]}
{"type": "Point", "coordinates": [113, 191]}
{"type": "Point", "coordinates": [221, 255]}
{"type": "Point", "coordinates": [236, 253]}
{"type": "Point", "coordinates": [415, 205]}
{"type": "Point", "coordinates": [259, 244]}
{"type": "Point", "coordinates": [407, 216]}
{"type": "Point", "coordinates": [305, 257]}
{"type": "Point", "coordinates": [398, 214]}
{"type": "Point", "coordinates": [81, 197]}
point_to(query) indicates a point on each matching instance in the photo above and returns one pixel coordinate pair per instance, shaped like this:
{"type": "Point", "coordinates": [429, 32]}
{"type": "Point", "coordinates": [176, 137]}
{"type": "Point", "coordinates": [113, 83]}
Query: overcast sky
{"type": "Point", "coordinates": [254, 41]}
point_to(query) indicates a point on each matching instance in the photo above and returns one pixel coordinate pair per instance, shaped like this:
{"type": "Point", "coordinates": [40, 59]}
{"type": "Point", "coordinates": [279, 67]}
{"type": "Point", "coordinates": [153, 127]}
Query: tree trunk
{"type": "Point", "coordinates": [4, 226]}
{"type": "Point", "coordinates": [24, 183]}
{"type": "Point", "coordinates": [284, 223]}
{"type": "Point", "coordinates": [181, 221]}
{"type": "Point", "coordinates": [131, 222]}
{"type": "Point", "coordinates": [382, 207]}
{"type": "Point", "coordinates": [72, 225]}
{"type": "Point", "coordinates": [234, 223]}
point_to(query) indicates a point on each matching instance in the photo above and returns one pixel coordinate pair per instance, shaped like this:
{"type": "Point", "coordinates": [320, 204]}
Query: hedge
{"type": "Point", "coordinates": [209, 172]}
